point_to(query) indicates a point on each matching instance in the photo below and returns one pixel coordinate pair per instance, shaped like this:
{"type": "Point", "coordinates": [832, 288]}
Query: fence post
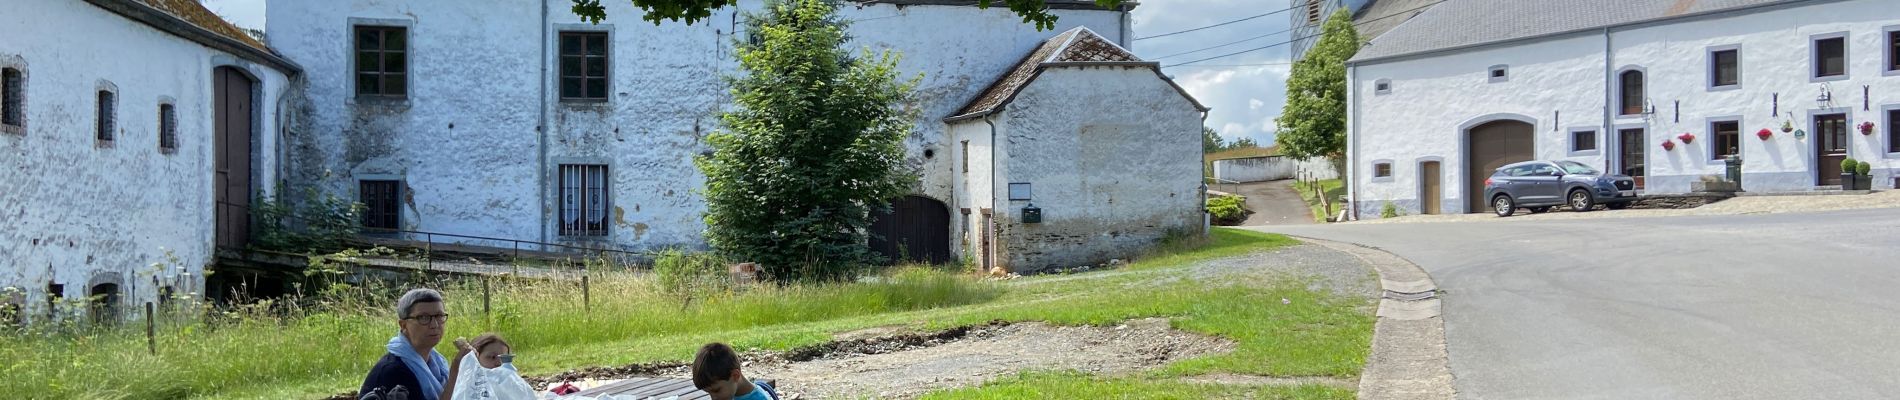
{"type": "Point", "coordinates": [428, 251]}
{"type": "Point", "coordinates": [586, 303]}
{"type": "Point", "coordinates": [485, 297]}
{"type": "Point", "coordinates": [151, 334]}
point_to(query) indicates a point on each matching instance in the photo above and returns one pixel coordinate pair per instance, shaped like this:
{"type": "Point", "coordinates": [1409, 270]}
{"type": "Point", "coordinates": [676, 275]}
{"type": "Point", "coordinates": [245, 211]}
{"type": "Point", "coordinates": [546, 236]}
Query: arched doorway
{"type": "Point", "coordinates": [232, 145]}
{"type": "Point", "coordinates": [105, 303]}
{"type": "Point", "coordinates": [917, 229]}
{"type": "Point", "coordinates": [1491, 145]}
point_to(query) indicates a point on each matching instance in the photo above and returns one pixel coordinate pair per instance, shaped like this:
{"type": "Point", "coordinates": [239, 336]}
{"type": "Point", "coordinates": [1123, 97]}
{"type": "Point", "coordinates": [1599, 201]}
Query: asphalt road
{"type": "Point", "coordinates": [1773, 306]}
{"type": "Point", "coordinates": [1275, 203]}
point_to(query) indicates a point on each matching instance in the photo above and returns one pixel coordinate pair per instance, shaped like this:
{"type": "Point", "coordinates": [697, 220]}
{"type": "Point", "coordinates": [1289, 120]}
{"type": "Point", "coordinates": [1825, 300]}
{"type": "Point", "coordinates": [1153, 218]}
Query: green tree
{"type": "Point", "coordinates": [695, 10]}
{"type": "Point", "coordinates": [1243, 143]}
{"type": "Point", "coordinates": [812, 148]}
{"type": "Point", "coordinates": [1313, 124]}
{"type": "Point", "coordinates": [1210, 141]}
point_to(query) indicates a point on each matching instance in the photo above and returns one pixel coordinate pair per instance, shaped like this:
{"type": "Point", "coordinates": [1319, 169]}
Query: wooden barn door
{"type": "Point", "coordinates": [917, 229]}
{"type": "Point", "coordinates": [232, 145]}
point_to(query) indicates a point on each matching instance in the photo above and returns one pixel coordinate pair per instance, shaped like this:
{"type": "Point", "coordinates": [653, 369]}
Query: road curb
{"type": "Point", "coordinates": [1408, 359]}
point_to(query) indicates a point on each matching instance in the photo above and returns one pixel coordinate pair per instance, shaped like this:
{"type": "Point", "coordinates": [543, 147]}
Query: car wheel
{"type": "Point", "coordinates": [1538, 210]}
{"type": "Point", "coordinates": [1503, 205]}
{"type": "Point", "coordinates": [1617, 206]}
{"type": "Point", "coordinates": [1581, 201]}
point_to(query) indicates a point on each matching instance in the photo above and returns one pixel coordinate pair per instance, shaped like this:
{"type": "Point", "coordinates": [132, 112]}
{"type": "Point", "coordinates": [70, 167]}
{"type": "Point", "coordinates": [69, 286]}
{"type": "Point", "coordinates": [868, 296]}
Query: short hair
{"type": "Point", "coordinates": [714, 363]}
{"type": "Point", "coordinates": [487, 339]}
{"type": "Point", "coordinates": [409, 300]}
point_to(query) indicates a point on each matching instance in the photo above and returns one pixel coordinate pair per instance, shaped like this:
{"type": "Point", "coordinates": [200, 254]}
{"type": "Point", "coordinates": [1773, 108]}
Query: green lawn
{"type": "Point", "coordinates": [325, 350]}
{"type": "Point", "coordinates": [1333, 188]}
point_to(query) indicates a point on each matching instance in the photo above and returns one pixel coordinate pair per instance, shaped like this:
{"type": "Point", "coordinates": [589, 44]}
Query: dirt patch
{"type": "Point", "coordinates": [909, 367]}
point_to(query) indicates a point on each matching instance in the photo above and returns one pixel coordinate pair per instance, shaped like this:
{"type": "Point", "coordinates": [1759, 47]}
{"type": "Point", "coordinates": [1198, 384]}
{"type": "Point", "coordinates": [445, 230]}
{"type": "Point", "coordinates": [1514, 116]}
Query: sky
{"type": "Point", "coordinates": [1244, 95]}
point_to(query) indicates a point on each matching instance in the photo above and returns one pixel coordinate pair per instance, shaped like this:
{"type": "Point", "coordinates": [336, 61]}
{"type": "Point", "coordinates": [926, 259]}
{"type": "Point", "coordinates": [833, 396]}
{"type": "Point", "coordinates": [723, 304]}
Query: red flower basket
{"type": "Point", "coordinates": [1687, 138]}
{"type": "Point", "coordinates": [1669, 145]}
{"type": "Point", "coordinates": [1867, 128]}
{"type": "Point", "coordinates": [1764, 134]}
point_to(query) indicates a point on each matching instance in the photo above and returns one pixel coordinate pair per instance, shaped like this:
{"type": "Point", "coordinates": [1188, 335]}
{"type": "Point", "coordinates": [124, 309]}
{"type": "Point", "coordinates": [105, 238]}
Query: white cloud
{"type": "Point", "coordinates": [1255, 104]}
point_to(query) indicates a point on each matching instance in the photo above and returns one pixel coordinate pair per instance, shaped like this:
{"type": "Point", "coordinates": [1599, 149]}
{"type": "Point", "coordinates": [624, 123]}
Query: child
{"type": "Point", "coordinates": [484, 370]}
{"type": "Point", "coordinates": [716, 371]}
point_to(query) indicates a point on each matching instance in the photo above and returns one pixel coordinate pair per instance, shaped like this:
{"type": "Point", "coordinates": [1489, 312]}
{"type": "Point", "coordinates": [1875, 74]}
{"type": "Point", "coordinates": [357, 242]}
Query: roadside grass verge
{"type": "Point", "coordinates": [1071, 385]}
{"type": "Point", "coordinates": [1333, 188]}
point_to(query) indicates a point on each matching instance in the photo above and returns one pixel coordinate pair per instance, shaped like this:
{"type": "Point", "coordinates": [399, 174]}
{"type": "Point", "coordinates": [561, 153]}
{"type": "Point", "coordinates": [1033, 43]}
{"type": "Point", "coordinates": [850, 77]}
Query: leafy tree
{"type": "Point", "coordinates": [812, 148]}
{"type": "Point", "coordinates": [695, 10]}
{"type": "Point", "coordinates": [1243, 143]}
{"type": "Point", "coordinates": [1210, 141]}
{"type": "Point", "coordinates": [1313, 124]}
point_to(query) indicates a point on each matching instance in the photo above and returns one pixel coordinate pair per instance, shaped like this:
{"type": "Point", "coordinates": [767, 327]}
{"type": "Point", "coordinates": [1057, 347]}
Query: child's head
{"type": "Point", "coordinates": [490, 350]}
{"type": "Point", "coordinates": [716, 371]}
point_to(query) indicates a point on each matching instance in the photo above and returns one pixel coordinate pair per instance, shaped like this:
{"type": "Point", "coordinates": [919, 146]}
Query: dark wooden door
{"type": "Point", "coordinates": [1431, 190]}
{"type": "Point", "coordinates": [1492, 145]}
{"type": "Point", "coordinates": [1629, 154]}
{"type": "Point", "coordinates": [1830, 148]}
{"type": "Point", "coordinates": [917, 229]}
{"type": "Point", "coordinates": [232, 148]}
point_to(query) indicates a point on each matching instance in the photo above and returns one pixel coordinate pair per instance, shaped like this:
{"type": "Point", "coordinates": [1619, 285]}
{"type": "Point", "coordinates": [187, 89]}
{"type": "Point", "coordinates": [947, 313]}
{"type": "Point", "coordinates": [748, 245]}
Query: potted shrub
{"type": "Point", "coordinates": [1848, 179]}
{"type": "Point", "coordinates": [1863, 176]}
{"type": "Point", "coordinates": [1764, 134]}
{"type": "Point", "coordinates": [1867, 128]}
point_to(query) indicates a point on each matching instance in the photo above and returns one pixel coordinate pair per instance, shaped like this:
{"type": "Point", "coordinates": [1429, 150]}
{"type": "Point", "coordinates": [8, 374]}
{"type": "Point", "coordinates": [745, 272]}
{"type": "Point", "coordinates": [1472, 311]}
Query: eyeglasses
{"type": "Point", "coordinates": [437, 319]}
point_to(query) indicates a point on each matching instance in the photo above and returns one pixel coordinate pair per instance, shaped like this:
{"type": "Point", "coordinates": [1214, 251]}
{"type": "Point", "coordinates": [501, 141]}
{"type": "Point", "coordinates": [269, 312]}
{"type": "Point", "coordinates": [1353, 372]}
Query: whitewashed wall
{"type": "Point", "coordinates": [1559, 84]}
{"type": "Point", "coordinates": [78, 214]}
{"type": "Point", "coordinates": [1112, 156]}
{"type": "Point", "coordinates": [1272, 168]}
{"type": "Point", "coordinates": [467, 142]}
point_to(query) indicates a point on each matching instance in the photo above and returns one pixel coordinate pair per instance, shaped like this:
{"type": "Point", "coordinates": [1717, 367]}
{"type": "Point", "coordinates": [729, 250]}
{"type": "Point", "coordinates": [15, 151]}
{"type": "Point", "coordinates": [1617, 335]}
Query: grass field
{"type": "Point", "coordinates": [1333, 189]}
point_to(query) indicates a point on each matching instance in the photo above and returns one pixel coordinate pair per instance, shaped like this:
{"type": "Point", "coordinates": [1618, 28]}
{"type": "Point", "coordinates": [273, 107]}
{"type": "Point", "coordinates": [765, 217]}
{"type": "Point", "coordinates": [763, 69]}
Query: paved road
{"type": "Point", "coordinates": [1275, 203]}
{"type": "Point", "coordinates": [1775, 306]}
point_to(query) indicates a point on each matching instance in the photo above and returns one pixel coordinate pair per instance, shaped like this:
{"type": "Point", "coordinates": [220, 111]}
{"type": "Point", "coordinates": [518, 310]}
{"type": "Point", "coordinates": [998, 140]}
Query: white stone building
{"type": "Point", "coordinates": [124, 124]}
{"type": "Point", "coordinates": [1442, 99]}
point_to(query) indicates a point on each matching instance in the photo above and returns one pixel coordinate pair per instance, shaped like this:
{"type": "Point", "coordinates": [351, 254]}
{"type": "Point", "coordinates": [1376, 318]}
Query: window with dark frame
{"type": "Point", "coordinates": [1893, 135]}
{"type": "Point", "coordinates": [1830, 57]}
{"type": "Point", "coordinates": [1632, 92]}
{"type": "Point", "coordinates": [1893, 51]}
{"type": "Point", "coordinates": [1728, 139]}
{"type": "Point", "coordinates": [108, 113]}
{"type": "Point", "coordinates": [382, 61]}
{"type": "Point", "coordinates": [584, 65]}
{"type": "Point", "coordinates": [966, 156]}
{"type": "Point", "coordinates": [1583, 140]}
{"type": "Point", "coordinates": [1725, 68]}
{"type": "Point", "coordinates": [12, 98]}
{"type": "Point", "coordinates": [1382, 170]}
{"type": "Point", "coordinates": [382, 204]}
{"type": "Point", "coordinates": [583, 200]}
{"type": "Point", "coordinates": [167, 128]}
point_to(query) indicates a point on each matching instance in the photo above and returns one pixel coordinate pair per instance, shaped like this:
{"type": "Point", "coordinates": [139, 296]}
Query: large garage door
{"type": "Point", "coordinates": [916, 230]}
{"type": "Point", "coordinates": [1493, 145]}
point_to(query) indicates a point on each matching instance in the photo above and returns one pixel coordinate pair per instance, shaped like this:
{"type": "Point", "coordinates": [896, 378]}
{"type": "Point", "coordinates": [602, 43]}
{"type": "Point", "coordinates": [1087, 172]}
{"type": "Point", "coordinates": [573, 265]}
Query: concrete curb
{"type": "Point", "coordinates": [1408, 359]}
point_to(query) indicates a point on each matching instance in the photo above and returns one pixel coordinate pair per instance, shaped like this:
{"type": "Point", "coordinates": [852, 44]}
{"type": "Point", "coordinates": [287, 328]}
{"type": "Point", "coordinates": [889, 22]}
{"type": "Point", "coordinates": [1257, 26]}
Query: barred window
{"type": "Point", "coordinates": [583, 200]}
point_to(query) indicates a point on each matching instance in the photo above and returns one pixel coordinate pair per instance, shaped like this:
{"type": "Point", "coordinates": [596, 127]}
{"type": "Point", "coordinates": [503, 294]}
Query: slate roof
{"type": "Point", "coordinates": [1079, 45]}
{"type": "Point", "coordinates": [1460, 23]}
{"type": "Point", "coordinates": [192, 12]}
{"type": "Point", "coordinates": [1383, 15]}
{"type": "Point", "coordinates": [190, 20]}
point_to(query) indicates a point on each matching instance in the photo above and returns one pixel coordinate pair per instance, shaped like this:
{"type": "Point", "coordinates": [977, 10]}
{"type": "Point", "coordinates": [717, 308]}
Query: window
{"type": "Point", "coordinates": [1382, 86]}
{"type": "Point", "coordinates": [382, 61]}
{"type": "Point", "coordinates": [108, 113]}
{"type": "Point", "coordinates": [1543, 170]}
{"type": "Point", "coordinates": [167, 128]}
{"type": "Point", "coordinates": [1830, 56]}
{"type": "Point", "coordinates": [1893, 135]}
{"type": "Point", "coordinates": [1728, 139]}
{"type": "Point", "coordinates": [966, 156]}
{"type": "Point", "coordinates": [12, 100]}
{"type": "Point", "coordinates": [382, 204]}
{"type": "Point", "coordinates": [1313, 12]}
{"type": "Point", "coordinates": [1382, 170]}
{"type": "Point", "coordinates": [1725, 68]}
{"type": "Point", "coordinates": [1498, 73]}
{"type": "Point", "coordinates": [1573, 167]}
{"type": "Point", "coordinates": [583, 200]}
{"type": "Point", "coordinates": [1583, 141]}
{"type": "Point", "coordinates": [584, 65]}
{"type": "Point", "coordinates": [1632, 92]}
{"type": "Point", "coordinates": [1893, 50]}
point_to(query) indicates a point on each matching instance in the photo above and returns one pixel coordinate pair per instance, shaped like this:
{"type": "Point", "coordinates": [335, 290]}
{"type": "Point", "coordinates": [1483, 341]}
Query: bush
{"type": "Point", "coordinates": [1390, 211]}
{"type": "Point", "coordinates": [1849, 165]}
{"type": "Point", "coordinates": [1864, 169]}
{"type": "Point", "coordinates": [1227, 210]}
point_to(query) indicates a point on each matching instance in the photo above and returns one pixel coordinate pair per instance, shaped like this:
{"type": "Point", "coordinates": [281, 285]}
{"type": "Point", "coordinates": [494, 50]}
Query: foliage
{"type": "Point", "coordinates": [1849, 165]}
{"type": "Point", "coordinates": [1390, 211]}
{"type": "Point", "coordinates": [1211, 141]}
{"type": "Point", "coordinates": [693, 11]}
{"type": "Point", "coordinates": [691, 275]}
{"type": "Point", "coordinates": [1227, 210]}
{"type": "Point", "coordinates": [322, 222]}
{"type": "Point", "coordinates": [1313, 123]}
{"type": "Point", "coordinates": [1864, 169]}
{"type": "Point", "coordinates": [813, 148]}
{"type": "Point", "coordinates": [1333, 188]}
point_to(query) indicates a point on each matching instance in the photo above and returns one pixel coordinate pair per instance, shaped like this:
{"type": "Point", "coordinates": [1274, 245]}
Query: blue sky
{"type": "Point", "coordinates": [1245, 97]}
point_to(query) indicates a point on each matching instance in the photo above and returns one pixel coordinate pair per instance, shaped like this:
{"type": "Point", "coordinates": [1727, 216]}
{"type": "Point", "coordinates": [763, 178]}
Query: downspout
{"type": "Point", "coordinates": [1352, 142]}
{"type": "Point", "coordinates": [1124, 26]}
{"type": "Point", "coordinates": [541, 173]}
{"type": "Point", "coordinates": [994, 236]}
{"type": "Point", "coordinates": [1610, 134]}
{"type": "Point", "coordinates": [1206, 171]}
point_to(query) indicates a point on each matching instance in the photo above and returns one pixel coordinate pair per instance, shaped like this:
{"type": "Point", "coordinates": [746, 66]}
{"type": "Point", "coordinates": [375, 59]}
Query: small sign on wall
{"type": "Point", "coordinates": [1019, 192]}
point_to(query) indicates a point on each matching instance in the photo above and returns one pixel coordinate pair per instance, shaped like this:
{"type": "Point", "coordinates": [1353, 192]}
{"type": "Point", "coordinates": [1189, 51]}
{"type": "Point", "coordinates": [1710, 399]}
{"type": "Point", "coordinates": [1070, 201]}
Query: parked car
{"type": "Point", "coordinates": [1539, 185]}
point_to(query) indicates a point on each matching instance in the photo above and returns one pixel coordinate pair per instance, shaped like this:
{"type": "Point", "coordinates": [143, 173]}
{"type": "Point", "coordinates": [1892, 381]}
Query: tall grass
{"type": "Point", "coordinates": [336, 338]}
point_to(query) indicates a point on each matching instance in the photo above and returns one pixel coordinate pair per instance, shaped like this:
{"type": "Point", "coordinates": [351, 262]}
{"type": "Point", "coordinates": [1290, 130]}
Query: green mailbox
{"type": "Point", "coordinates": [1031, 214]}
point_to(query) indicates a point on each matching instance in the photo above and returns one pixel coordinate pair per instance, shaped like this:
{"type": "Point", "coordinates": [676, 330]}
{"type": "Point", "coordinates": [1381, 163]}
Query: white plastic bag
{"type": "Point", "coordinates": [477, 383]}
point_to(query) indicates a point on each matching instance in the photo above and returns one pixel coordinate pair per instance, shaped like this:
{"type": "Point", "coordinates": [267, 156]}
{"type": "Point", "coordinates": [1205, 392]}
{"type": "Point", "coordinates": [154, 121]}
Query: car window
{"type": "Point", "coordinates": [1543, 170]}
{"type": "Point", "coordinates": [1574, 167]}
{"type": "Point", "coordinates": [1511, 171]}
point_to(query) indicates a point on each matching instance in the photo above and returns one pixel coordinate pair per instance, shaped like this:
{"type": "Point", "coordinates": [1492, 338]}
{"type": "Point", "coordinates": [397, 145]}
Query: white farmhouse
{"type": "Point", "coordinates": [1658, 89]}
{"type": "Point", "coordinates": [125, 125]}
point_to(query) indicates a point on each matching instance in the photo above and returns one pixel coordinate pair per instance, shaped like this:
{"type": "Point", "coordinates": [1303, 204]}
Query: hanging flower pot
{"type": "Point", "coordinates": [1687, 138]}
{"type": "Point", "coordinates": [1867, 128]}
{"type": "Point", "coordinates": [1787, 126]}
{"type": "Point", "coordinates": [1764, 134]}
{"type": "Point", "coordinates": [1669, 145]}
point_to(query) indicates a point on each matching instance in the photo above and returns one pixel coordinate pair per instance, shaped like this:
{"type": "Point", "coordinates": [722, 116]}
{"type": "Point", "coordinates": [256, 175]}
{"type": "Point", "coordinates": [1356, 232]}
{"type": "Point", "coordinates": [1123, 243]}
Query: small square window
{"type": "Point", "coordinates": [1498, 73]}
{"type": "Point", "coordinates": [1725, 68]}
{"type": "Point", "coordinates": [584, 66]}
{"type": "Point", "coordinates": [382, 201]}
{"type": "Point", "coordinates": [1830, 57]}
{"type": "Point", "coordinates": [1382, 86]}
{"type": "Point", "coordinates": [382, 62]}
{"type": "Point", "coordinates": [1728, 139]}
{"type": "Point", "coordinates": [1893, 50]}
{"type": "Point", "coordinates": [1382, 170]}
{"type": "Point", "coordinates": [1583, 141]}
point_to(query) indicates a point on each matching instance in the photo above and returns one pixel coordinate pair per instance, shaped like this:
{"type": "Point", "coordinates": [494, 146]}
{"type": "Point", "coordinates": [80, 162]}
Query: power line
{"type": "Point", "coordinates": [1219, 24]}
{"type": "Point", "coordinates": [1223, 45]}
{"type": "Point", "coordinates": [1306, 37]}
{"type": "Point", "coordinates": [1235, 65]}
